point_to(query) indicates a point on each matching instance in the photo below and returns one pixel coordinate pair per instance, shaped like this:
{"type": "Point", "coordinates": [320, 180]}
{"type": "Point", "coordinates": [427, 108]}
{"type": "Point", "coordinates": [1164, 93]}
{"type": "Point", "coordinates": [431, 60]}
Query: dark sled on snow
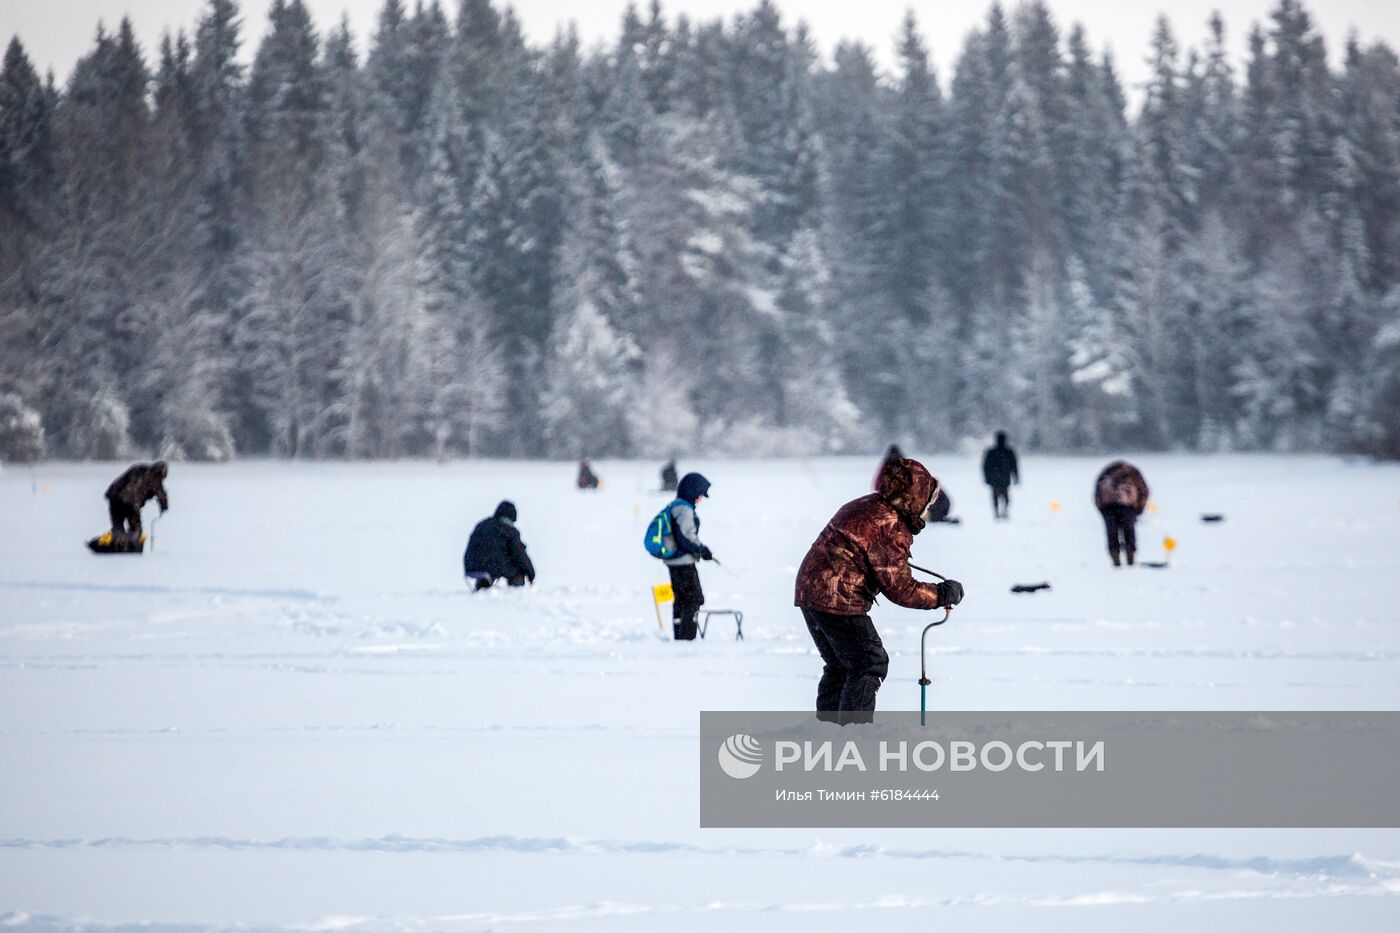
{"type": "Point", "coordinates": [1154, 564]}
{"type": "Point", "coordinates": [1029, 587]}
{"type": "Point", "coordinates": [1211, 518]}
{"type": "Point", "coordinates": [114, 544]}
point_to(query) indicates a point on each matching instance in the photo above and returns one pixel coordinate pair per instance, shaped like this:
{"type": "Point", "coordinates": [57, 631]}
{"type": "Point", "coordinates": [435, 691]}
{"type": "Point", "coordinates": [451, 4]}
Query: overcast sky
{"type": "Point", "coordinates": [56, 32]}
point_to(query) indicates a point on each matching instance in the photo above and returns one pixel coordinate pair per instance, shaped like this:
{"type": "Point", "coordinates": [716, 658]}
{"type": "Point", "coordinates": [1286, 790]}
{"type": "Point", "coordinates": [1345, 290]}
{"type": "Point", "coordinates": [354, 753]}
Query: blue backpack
{"type": "Point", "coordinates": [659, 530]}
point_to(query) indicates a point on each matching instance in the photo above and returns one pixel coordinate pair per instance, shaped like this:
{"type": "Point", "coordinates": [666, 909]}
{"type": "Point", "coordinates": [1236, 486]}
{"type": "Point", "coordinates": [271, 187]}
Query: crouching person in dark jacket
{"type": "Point", "coordinates": [863, 552]}
{"type": "Point", "coordinates": [685, 575]}
{"type": "Point", "coordinates": [495, 551]}
{"type": "Point", "coordinates": [130, 491]}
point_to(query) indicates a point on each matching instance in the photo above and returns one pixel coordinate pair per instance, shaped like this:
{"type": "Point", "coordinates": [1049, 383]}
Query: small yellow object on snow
{"type": "Point", "coordinates": [661, 593]}
{"type": "Point", "coordinates": [1152, 507]}
{"type": "Point", "coordinates": [1055, 506]}
{"type": "Point", "coordinates": [1169, 543]}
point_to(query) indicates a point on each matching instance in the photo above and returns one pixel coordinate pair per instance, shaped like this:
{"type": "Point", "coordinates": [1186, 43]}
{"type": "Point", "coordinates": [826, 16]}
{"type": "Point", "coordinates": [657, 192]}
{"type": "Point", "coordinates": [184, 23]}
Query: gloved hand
{"type": "Point", "coordinates": [950, 593]}
{"type": "Point", "coordinates": [162, 509]}
{"type": "Point", "coordinates": [705, 554]}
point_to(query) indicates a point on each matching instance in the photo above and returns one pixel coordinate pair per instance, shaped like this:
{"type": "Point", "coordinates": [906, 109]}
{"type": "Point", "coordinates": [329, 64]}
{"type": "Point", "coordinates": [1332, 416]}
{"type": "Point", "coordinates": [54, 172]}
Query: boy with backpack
{"type": "Point", "coordinates": [674, 536]}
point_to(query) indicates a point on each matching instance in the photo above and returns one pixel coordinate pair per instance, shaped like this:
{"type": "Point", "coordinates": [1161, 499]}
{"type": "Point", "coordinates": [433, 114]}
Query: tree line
{"type": "Point", "coordinates": [707, 236]}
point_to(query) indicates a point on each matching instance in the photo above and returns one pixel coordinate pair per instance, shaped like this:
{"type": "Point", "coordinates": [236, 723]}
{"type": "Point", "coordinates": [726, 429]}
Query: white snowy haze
{"type": "Point", "coordinates": [1124, 27]}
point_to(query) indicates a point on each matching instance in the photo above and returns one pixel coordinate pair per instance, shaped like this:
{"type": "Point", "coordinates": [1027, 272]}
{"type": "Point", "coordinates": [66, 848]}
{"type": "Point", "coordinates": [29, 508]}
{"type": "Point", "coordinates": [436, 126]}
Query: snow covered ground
{"type": "Point", "coordinates": [291, 714]}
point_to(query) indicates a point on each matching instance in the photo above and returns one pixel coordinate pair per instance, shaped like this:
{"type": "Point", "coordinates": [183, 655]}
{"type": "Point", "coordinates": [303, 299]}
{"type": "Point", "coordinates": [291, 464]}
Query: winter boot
{"type": "Point", "coordinates": [1117, 559]}
{"type": "Point", "coordinates": [1131, 552]}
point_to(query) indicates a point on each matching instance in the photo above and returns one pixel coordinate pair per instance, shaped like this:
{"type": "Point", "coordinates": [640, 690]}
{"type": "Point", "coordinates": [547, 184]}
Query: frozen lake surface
{"type": "Point", "coordinates": [292, 714]}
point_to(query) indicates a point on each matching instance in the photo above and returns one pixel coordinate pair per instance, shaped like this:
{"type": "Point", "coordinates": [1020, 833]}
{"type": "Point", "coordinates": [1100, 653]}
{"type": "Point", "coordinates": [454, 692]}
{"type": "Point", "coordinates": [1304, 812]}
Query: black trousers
{"type": "Point", "coordinates": [855, 665]}
{"type": "Point", "coordinates": [1120, 522]}
{"type": "Point", "coordinates": [1001, 501]}
{"type": "Point", "coordinates": [125, 519]}
{"type": "Point", "coordinates": [685, 583]}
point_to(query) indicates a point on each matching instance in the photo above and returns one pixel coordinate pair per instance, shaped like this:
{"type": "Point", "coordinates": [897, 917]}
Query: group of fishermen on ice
{"type": "Point", "coordinates": [863, 552]}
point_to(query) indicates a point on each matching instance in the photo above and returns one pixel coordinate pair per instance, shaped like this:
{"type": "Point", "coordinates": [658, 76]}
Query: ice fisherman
{"type": "Point", "coordinates": [941, 508]}
{"type": "Point", "coordinates": [689, 550]}
{"type": "Point", "coordinates": [495, 551]}
{"type": "Point", "coordinates": [141, 483]}
{"type": "Point", "coordinates": [587, 479]}
{"type": "Point", "coordinates": [999, 470]}
{"type": "Point", "coordinates": [668, 476]}
{"type": "Point", "coordinates": [1120, 495]}
{"type": "Point", "coordinates": [861, 553]}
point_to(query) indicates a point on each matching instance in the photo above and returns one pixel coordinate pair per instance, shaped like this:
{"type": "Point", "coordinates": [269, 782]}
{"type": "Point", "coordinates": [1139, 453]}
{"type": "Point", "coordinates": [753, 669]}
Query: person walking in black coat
{"type": "Point", "coordinates": [130, 491]}
{"type": "Point", "coordinates": [999, 469]}
{"type": "Point", "coordinates": [495, 551]}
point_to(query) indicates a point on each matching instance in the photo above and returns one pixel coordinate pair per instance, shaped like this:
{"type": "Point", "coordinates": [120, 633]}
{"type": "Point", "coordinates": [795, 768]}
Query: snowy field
{"type": "Point", "coordinates": [292, 715]}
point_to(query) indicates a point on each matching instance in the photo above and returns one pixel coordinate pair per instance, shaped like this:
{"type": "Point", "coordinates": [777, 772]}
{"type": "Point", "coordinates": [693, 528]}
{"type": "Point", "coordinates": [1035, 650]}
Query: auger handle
{"type": "Point", "coordinates": [923, 663]}
{"type": "Point", "coordinates": [931, 573]}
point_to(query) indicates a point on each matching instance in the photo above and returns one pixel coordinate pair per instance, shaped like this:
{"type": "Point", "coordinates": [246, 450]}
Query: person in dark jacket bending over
{"type": "Point", "coordinates": [1000, 471]}
{"type": "Point", "coordinates": [495, 551]}
{"type": "Point", "coordinates": [894, 453]}
{"type": "Point", "coordinates": [130, 491]}
{"type": "Point", "coordinates": [668, 477]}
{"type": "Point", "coordinates": [863, 552]}
{"type": "Point", "coordinates": [685, 537]}
{"type": "Point", "coordinates": [1120, 495]}
{"type": "Point", "coordinates": [587, 479]}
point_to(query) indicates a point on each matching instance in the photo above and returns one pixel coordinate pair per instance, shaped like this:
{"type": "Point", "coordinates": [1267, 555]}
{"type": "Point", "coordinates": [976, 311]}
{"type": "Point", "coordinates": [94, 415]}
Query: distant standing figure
{"type": "Point", "coordinates": [685, 575]}
{"type": "Point", "coordinates": [587, 479]}
{"type": "Point", "coordinates": [999, 469]}
{"type": "Point", "coordinates": [495, 551]}
{"type": "Point", "coordinates": [668, 477]}
{"type": "Point", "coordinates": [130, 491]}
{"type": "Point", "coordinates": [1120, 494]}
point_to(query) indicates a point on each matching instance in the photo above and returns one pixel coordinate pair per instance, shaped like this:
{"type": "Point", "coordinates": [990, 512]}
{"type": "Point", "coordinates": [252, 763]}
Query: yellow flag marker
{"type": "Point", "coordinates": [661, 593]}
{"type": "Point", "coordinates": [1152, 507]}
{"type": "Point", "coordinates": [1055, 507]}
{"type": "Point", "coordinates": [1170, 544]}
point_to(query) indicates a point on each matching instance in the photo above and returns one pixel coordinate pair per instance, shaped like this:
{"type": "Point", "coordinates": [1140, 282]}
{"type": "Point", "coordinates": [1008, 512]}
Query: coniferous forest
{"type": "Point", "coordinates": [706, 237]}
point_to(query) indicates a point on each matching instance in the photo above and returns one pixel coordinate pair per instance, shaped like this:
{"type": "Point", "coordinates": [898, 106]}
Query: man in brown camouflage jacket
{"type": "Point", "coordinates": [863, 552]}
{"type": "Point", "coordinates": [1120, 495]}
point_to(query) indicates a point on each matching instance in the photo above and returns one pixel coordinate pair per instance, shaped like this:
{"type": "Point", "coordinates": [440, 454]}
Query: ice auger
{"type": "Point", "coordinates": [923, 658]}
